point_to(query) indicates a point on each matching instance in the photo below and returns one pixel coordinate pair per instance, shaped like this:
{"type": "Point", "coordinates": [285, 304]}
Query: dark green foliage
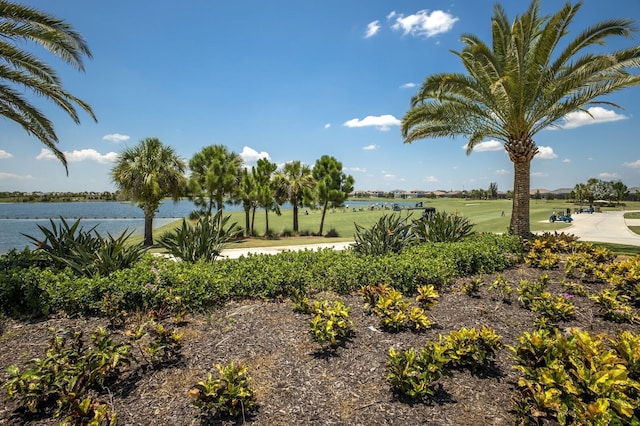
{"type": "Point", "coordinates": [442, 227]}
{"type": "Point", "coordinates": [157, 283]}
{"type": "Point", "coordinates": [86, 252]}
{"type": "Point", "coordinates": [204, 240]}
{"type": "Point", "coordinates": [68, 371]}
{"type": "Point", "coordinates": [391, 234]}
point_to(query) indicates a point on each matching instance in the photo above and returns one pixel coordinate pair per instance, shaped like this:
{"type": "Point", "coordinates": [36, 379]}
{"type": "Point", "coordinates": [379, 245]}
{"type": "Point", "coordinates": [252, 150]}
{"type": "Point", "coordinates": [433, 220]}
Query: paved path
{"type": "Point", "coordinates": [235, 253]}
{"type": "Point", "coordinates": [607, 227]}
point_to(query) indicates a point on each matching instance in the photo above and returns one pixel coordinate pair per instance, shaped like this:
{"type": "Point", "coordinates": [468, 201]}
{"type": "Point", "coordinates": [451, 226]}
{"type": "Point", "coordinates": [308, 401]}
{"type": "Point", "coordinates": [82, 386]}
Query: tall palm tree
{"type": "Point", "coordinates": [147, 173]}
{"type": "Point", "coordinates": [295, 182]}
{"type": "Point", "coordinates": [528, 79]}
{"type": "Point", "coordinates": [21, 68]}
{"type": "Point", "coordinates": [263, 176]}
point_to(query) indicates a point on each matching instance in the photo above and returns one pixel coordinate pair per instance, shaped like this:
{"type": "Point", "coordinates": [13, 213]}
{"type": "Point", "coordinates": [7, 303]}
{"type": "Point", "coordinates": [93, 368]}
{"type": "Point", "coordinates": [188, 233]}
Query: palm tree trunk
{"type": "Point", "coordinates": [295, 218]}
{"type": "Point", "coordinates": [520, 221]}
{"type": "Point", "coordinates": [148, 227]}
{"type": "Point", "coordinates": [324, 211]}
{"type": "Point", "coordinates": [247, 230]}
{"type": "Point", "coordinates": [253, 218]}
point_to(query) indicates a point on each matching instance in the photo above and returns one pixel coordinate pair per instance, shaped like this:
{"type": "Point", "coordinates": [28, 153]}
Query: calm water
{"type": "Point", "coordinates": [113, 217]}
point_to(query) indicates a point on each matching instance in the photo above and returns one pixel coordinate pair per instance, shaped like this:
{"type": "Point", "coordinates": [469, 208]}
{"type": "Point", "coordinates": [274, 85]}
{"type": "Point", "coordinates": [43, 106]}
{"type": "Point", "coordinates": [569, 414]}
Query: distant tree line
{"type": "Point", "coordinates": [151, 171]}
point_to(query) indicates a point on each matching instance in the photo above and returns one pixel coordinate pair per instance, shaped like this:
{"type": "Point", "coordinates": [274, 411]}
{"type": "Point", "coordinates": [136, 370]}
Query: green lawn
{"type": "Point", "coordinates": [486, 215]}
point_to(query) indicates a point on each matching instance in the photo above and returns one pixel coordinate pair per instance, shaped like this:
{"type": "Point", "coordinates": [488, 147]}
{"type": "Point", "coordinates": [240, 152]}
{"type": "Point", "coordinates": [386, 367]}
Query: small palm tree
{"type": "Point", "coordinates": [527, 80]}
{"type": "Point", "coordinates": [23, 69]}
{"type": "Point", "coordinates": [149, 172]}
{"type": "Point", "coordinates": [295, 182]}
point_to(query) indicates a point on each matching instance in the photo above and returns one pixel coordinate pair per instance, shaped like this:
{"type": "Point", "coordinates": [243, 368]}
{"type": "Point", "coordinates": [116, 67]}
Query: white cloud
{"type": "Point", "coordinates": [408, 86]}
{"type": "Point", "coordinates": [582, 118]}
{"type": "Point", "coordinates": [372, 29]}
{"type": "Point", "coordinates": [502, 172]}
{"type": "Point", "coordinates": [326, 126]}
{"type": "Point", "coordinates": [546, 153]}
{"type": "Point", "coordinates": [46, 154]}
{"type": "Point", "coordinates": [369, 147]}
{"type": "Point", "coordinates": [357, 169]}
{"type": "Point", "coordinates": [430, 179]}
{"type": "Point", "coordinates": [633, 164]}
{"type": "Point", "coordinates": [606, 175]}
{"type": "Point", "coordinates": [486, 146]}
{"type": "Point", "coordinates": [4, 154]}
{"type": "Point", "coordinates": [381, 122]}
{"type": "Point", "coordinates": [250, 155]}
{"type": "Point", "coordinates": [14, 176]}
{"type": "Point", "coordinates": [539, 174]}
{"type": "Point", "coordinates": [116, 137]}
{"type": "Point", "coordinates": [423, 23]}
{"type": "Point", "coordinates": [77, 156]}
{"type": "Point", "coordinates": [566, 160]}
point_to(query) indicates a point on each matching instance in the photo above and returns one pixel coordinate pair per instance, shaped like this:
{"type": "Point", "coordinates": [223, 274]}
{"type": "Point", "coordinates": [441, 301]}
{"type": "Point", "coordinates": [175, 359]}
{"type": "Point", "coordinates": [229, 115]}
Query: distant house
{"type": "Point", "coordinates": [561, 193]}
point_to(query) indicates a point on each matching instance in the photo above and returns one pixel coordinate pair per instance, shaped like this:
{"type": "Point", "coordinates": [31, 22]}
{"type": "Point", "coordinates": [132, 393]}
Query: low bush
{"type": "Point", "coordinates": [390, 234]}
{"type": "Point", "coordinates": [158, 283]}
{"type": "Point", "coordinates": [442, 227]}
{"type": "Point", "coordinates": [203, 240]}
{"type": "Point", "coordinates": [576, 379]}
{"type": "Point", "coordinates": [86, 252]}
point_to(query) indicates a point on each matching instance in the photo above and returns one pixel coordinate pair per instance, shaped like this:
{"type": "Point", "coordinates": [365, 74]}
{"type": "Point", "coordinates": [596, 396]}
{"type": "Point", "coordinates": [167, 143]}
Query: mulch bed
{"type": "Point", "coordinates": [297, 383]}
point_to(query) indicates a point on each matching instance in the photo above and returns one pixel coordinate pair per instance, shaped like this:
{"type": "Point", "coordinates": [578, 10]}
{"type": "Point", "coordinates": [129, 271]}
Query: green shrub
{"type": "Point", "coordinates": [390, 234]}
{"type": "Point", "coordinates": [69, 370]}
{"type": "Point", "coordinates": [412, 373]}
{"type": "Point", "coordinates": [182, 287]}
{"type": "Point", "coordinates": [574, 379]}
{"type": "Point", "coordinates": [331, 323]}
{"type": "Point", "coordinates": [228, 395]}
{"type": "Point", "coordinates": [204, 240]}
{"type": "Point", "coordinates": [470, 348]}
{"type": "Point", "coordinates": [442, 227]}
{"type": "Point", "coordinates": [87, 252]}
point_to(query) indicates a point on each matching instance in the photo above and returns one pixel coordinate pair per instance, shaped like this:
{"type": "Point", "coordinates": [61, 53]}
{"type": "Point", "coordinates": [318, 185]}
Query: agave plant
{"type": "Point", "coordinates": [86, 252]}
{"type": "Point", "coordinates": [442, 227]}
{"type": "Point", "coordinates": [205, 239]}
{"type": "Point", "coordinates": [391, 234]}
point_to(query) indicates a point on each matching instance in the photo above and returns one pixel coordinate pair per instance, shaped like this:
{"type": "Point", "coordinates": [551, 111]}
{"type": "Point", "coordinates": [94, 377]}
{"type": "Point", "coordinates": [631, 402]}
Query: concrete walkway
{"type": "Point", "coordinates": [607, 227]}
{"type": "Point", "coordinates": [235, 253]}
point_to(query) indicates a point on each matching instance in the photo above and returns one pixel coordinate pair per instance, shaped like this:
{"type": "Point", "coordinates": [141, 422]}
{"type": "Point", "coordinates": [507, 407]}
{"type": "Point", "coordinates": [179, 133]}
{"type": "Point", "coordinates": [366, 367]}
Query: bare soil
{"type": "Point", "coordinates": [295, 381]}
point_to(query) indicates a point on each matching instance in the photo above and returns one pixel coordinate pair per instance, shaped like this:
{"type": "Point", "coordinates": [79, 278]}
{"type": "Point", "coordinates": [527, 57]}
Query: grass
{"type": "Point", "coordinates": [485, 214]}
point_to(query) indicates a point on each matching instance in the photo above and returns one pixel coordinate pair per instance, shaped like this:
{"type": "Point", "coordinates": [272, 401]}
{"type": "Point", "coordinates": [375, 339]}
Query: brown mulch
{"type": "Point", "coordinates": [297, 383]}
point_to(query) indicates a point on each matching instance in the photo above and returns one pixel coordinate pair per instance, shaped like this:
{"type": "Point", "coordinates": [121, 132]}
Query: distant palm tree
{"type": "Point", "coordinates": [295, 182]}
{"type": "Point", "coordinates": [527, 80]}
{"type": "Point", "coordinates": [23, 69]}
{"type": "Point", "coordinates": [147, 173]}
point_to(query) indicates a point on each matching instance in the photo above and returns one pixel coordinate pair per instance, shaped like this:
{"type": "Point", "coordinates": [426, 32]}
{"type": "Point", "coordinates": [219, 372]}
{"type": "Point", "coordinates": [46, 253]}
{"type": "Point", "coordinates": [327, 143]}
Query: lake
{"type": "Point", "coordinates": [108, 216]}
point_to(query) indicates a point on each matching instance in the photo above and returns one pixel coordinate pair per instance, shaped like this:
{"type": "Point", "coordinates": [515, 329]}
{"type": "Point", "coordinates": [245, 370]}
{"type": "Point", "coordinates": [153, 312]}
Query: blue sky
{"type": "Point", "coordinates": [294, 80]}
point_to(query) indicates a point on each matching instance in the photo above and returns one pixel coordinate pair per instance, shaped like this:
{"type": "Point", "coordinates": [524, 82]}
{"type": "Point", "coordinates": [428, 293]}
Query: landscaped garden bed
{"type": "Point", "coordinates": [298, 376]}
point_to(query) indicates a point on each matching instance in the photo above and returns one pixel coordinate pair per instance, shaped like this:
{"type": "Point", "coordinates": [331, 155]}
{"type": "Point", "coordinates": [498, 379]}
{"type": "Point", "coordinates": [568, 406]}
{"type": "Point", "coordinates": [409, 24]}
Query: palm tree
{"type": "Point", "coordinates": [528, 79]}
{"type": "Point", "coordinates": [248, 196]}
{"type": "Point", "coordinates": [263, 174]}
{"type": "Point", "coordinates": [295, 182]}
{"type": "Point", "coordinates": [147, 173]}
{"type": "Point", "coordinates": [332, 184]}
{"type": "Point", "coordinates": [620, 190]}
{"type": "Point", "coordinates": [23, 69]}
